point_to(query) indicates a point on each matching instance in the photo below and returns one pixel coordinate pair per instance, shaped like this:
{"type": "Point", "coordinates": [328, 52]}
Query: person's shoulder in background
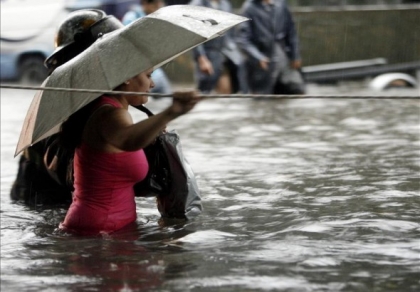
{"type": "Point", "coordinates": [133, 14]}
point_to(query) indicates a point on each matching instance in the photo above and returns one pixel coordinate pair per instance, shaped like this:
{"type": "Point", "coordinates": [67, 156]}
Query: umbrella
{"type": "Point", "coordinates": [149, 42]}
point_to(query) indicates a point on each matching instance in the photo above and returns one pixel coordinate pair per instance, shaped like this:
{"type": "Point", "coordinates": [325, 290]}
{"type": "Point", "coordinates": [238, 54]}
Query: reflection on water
{"type": "Point", "coordinates": [302, 195]}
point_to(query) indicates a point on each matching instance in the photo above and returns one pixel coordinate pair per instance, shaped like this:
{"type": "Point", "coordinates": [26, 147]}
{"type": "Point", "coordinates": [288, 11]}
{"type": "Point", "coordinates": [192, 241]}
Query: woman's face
{"type": "Point", "coordinates": [140, 83]}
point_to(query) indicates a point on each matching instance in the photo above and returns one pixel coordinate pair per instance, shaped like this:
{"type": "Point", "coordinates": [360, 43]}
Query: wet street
{"type": "Point", "coordinates": [298, 195]}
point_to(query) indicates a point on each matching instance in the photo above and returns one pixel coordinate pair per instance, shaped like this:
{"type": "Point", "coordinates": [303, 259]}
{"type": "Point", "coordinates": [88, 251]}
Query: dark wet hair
{"type": "Point", "coordinates": [72, 129]}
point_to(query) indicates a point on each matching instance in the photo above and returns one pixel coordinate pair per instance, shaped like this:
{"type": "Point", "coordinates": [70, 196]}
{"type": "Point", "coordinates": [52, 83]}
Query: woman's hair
{"type": "Point", "coordinates": [72, 129]}
{"type": "Point", "coordinates": [70, 136]}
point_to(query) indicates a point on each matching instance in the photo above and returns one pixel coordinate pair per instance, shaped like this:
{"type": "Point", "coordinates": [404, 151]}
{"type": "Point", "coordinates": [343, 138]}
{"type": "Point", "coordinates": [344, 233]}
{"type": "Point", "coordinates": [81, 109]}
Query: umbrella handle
{"type": "Point", "coordinates": [212, 21]}
{"type": "Point", "coordinates": [145, 110]}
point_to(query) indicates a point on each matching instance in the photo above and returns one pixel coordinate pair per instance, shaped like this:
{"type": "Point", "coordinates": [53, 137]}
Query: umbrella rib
{"type": "Point", "coordinates": [103, 68]}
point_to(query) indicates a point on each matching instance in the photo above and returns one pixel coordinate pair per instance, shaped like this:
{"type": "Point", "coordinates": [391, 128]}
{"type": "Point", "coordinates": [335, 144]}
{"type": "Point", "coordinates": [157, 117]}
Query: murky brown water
{"type": "Point", "coordinates": [303, 195]}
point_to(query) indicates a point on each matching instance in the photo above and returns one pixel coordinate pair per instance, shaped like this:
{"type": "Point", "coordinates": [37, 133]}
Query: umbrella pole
{"type": "Point", "coordinates": [212, 96]}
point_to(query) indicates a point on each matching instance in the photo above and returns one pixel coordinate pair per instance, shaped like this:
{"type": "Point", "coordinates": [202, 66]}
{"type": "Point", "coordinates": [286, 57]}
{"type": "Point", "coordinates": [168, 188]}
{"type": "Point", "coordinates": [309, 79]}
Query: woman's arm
{"type": "Point", "coordinates": [117, 129]}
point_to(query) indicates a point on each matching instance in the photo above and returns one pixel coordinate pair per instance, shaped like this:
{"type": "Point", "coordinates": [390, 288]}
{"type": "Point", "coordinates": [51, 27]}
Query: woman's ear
{"type": "Point", "coordinates": [120, 87]}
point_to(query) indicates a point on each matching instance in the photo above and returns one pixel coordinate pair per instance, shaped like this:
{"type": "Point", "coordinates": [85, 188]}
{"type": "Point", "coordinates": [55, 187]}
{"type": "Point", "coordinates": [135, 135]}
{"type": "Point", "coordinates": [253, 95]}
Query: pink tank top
{"type": "Point", "coordinates": [103, 199]}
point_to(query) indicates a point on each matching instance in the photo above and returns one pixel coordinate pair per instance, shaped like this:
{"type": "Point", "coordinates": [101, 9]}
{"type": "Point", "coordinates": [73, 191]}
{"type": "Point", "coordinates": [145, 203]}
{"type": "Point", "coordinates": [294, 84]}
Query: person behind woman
{"type": "Point", "coordinates": [41, 177]}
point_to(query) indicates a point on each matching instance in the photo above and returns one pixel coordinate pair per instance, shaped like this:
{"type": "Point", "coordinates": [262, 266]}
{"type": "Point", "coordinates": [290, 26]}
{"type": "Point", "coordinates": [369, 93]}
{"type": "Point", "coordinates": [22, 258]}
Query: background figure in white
{"type": "Point", "coordinates": [162, 83]}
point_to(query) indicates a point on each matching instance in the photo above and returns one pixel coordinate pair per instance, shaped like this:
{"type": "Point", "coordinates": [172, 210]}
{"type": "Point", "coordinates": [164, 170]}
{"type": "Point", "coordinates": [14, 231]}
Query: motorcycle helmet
{"type": "Point", "coordinates": [77, 32]}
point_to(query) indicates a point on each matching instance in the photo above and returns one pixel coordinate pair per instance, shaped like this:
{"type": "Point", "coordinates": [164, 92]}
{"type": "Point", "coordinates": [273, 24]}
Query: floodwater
{"type": "Point", "coordinates": [298, 195]}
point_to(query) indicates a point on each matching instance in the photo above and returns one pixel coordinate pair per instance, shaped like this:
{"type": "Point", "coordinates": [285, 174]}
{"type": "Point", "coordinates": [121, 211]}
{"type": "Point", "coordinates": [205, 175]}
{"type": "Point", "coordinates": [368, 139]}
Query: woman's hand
{"type": "Point", "coordinates": [183, 102]}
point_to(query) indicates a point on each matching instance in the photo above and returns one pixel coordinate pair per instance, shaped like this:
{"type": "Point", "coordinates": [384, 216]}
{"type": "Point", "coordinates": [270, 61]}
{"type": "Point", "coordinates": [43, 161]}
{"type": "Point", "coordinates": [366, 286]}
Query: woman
{"type": "Point", "coordinates": [109, 157]}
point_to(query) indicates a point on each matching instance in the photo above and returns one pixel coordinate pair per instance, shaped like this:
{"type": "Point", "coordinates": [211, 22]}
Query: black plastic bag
{"type": "Point", "coordinates": [170, 178]}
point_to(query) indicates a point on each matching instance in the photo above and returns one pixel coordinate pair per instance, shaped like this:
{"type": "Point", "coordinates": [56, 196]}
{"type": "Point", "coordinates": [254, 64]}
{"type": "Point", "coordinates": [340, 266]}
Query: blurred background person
{"type": "Point", "coordinates": [42, 177]}
{"type": "Point", "coordinates": [218, 63]}
{"type": "Point", "coordinates": [271, 45]}
{"type": "Point", "coordinates": [177, 2]}
{"type": "Point", "coordinates": [145, 7]}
